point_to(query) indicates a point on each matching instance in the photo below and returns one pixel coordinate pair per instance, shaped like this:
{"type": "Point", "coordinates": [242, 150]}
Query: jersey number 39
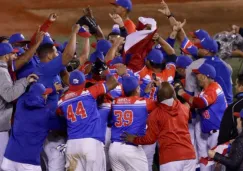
{"type": "Point", "coordinates": [80, 111]}
{"type": "Point", "coordinates": [124, 118]}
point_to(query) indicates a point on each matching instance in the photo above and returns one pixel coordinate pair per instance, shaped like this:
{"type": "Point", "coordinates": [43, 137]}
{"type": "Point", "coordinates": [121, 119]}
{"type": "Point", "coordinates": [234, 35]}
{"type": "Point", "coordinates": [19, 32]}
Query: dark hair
{"type": "Point", "coordinates": [240, 79]}
{"type": "Point", "coordinates": [44, 49]}
{"type": "Point", "coordinates": [154, 65]}
{"type": "Point", "coordinates": [129, 94]}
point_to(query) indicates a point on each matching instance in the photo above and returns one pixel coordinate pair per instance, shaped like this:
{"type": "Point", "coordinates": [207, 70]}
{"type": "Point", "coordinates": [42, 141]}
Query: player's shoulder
{"type": "Point", "coordinates": [214, 87]}
{"type": "Point", "coordinates": [130, 100]}
{"type": "Point", "coordinates": [72, 95]}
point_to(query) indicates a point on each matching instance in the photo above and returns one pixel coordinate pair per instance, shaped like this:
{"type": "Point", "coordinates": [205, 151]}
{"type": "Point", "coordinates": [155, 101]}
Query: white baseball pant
{"type": "Point", "coordinates": [125, 157]}
{"type": "Point", "coordinates": [85, 154]}
{"type": "Point", "coordinates": [205, 142]}
{"type": "Point", "coordinates": [183, 165]}
{"type": "Point", "coordinates": [149, 152]}
{"type": "Point", "coordinates": [8, 165]}
{"type": "Point", "coordinates": [107, 146]}
{"type": "Point", "coordinates": [53, 158]}
{"type": "Point", "coordinates": [4, 137]}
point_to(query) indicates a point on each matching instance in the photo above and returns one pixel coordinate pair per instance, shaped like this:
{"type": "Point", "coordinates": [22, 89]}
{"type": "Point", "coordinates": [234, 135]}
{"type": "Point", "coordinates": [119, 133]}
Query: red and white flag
{"type": "Point", "coordinates": [221, 149]}
{"type": "Point", "coordinates": [139, 44]}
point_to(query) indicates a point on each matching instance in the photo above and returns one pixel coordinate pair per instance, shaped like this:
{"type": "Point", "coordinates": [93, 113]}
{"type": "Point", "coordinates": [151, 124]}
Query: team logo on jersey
{"type": "Point", "coordinates": [206, 114]}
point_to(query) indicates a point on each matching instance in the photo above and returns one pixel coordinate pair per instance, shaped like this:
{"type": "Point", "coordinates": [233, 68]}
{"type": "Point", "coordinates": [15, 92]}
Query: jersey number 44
{"type": "Point", "coordinates": [80, 111]}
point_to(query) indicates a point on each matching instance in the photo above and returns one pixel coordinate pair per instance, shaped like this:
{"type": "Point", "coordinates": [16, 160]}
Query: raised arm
{"type": "Point", "coordinates": [167, 48]}
{"type": "Point", "coordinates": [112, 52]}
{"type": "Point", "coordinates": [44, 27]}
{"type": "Point", "coordinates": [26, 57]}
{"type": "Point", "coordinates": [71, 46]}
{"type": "Point", "coordinates": [84, 56]}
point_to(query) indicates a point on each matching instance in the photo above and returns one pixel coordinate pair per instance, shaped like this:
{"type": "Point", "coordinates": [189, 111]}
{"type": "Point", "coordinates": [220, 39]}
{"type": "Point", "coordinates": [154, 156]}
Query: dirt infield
{"type": "Point", "coordinates": [26, 15]}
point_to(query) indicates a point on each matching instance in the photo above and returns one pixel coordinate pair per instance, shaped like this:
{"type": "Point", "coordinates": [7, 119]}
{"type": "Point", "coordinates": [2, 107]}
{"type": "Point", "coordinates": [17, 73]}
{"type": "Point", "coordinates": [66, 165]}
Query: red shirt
{"type": "Point", "coordinates": [169, 125]}
{"type": "Point", "coordinates": [130, 26]}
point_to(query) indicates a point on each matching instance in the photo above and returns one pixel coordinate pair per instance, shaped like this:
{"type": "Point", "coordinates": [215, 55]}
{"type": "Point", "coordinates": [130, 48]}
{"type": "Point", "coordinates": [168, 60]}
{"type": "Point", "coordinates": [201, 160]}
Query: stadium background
{"type": "Point", "coordinates": [25, 16]}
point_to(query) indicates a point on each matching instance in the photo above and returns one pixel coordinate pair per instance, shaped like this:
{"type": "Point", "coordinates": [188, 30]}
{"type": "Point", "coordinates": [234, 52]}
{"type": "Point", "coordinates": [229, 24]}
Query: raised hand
{"type": "Point", "coordinates": [88, 12]}
{"type": "Point", "coordinates": [156, 37]}
{"type": "Point", "coordinates": [117, 19]}
{"type": "Point", "coordinates": [164, 9]}
{"type": "Point", "coordinates": [179, 25]}
{"type": "Point", "coordinates": [76, 28]}
{"type": "Point", "coordinates": [39, 36]}
{"type": "Point", "coordinates": [53, 17]}
{"type": "Point", "coordinates": [235, 29]}
{"type": "Point", "coordinates": [58, 86]}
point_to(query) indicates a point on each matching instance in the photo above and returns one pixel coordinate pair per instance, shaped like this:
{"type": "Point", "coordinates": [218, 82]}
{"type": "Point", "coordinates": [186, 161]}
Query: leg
{"type": "Point", "coordinates": [7, 165]}
{"type": "Point", "coordinates": [201, 140]}
{"type": "Point", "coordinates": [56, 160]}
{"type": "Point", "coordinates": [212, 142]}
{"type": "Point", "coordinates": [133, 158]}
{"type": "Point", "coordinates": [107, 145]}
{"type": "Point", "coordinates": [4, 136]}
{"type": "Point", "coordinates": [173, 166]}
{"type": "Point", "coordinates": [114, 151]}
{"type": "Point", "coordinates": [149, 152]}
{"type": "Point", "coordinates": [190, 165]}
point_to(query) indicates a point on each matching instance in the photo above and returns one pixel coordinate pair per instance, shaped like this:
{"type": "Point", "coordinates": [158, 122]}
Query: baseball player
{"type": "Point", "coordinates": [30, 129]}
{"type": "Point", "coordinates": [123, 8]}
{"type": "Point", "coordinates": [168, 124]}
{"type": "Point", "coordinates": [155, 61]}
{"type": "Point", "coordinates": [211, 104]}
{"type": "Point", "coordinates": [129, 114]}
{"type": "Point", "coordinates": [84, 146]}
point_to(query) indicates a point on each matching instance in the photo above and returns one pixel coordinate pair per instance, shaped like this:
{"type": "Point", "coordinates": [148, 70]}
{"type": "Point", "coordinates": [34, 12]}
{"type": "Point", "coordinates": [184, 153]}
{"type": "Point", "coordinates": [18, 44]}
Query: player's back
{"type": "Point", "coordinates": [129, 114]}
{"type": "Point", "coordinates": [80, 110]}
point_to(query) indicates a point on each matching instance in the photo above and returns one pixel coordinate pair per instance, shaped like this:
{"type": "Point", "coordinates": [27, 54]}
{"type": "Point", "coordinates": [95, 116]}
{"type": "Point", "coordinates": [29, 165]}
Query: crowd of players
{"type": "Point", "coordinates": [114, 108]}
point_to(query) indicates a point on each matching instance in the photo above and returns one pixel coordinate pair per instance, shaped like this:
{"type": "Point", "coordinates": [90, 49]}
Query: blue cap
{"type": "Point", "coordinates": [207, 70]}
{"type": "Point", "coordinates": [155, 56]}
{"type": "Point", "coordinates": [96, 55]}
{"type": "Point", "coordinates": [20, 52]}
{"type": "Point", "coordinates": [209, 44]}
{"type": "Point", "coordinates": [183, 61]}
{"type": "Point", "coordinates": [18, 38]}
{"type": "Point", "coordinates": [116, 29]}
{"type": "Point", "coordinates": [200, 34]}
{"type": "Point", "coordinates": [47, 39]}
{"type": "Point", "coordinates": [6, 48]}
{"type": "Point", "coordinates": [129, 83]}
{"type": "Point", "coordinates": [76, 78]}
{"type": "Point", "coordinates": [123, 3]}
{"type": "Point", "coordinates": [103, 46]}
{"type": "Point", "coordinates": [39, 89]}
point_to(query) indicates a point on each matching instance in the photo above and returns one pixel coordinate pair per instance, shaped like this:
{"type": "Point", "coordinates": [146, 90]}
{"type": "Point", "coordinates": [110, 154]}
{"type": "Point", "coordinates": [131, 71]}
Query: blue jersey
{"type": "Point", "coordinates": [223, 76]}
{"type": "Point", "coordinates": [28, 68]}
{"type": "Point", "coordinates": [215, 102]}
{"type": "Point", "coordinates": [104, 110]}
{"type": "Point", "coordinates": [81, 112]}
{"type": "Point", "coordinates": [129, 114]}
{"type": "Point", "coordinates": [48, 75]}
{"type": "Point", "coordinates": [29, 131]}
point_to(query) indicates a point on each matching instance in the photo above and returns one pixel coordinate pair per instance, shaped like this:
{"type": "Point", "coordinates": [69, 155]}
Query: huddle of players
{"type": "Point", "coordinates": [109, 100]}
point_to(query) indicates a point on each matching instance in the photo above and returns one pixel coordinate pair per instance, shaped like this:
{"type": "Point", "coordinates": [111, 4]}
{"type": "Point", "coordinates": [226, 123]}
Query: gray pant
{"type": "Point", "coordinates": [4, 136]}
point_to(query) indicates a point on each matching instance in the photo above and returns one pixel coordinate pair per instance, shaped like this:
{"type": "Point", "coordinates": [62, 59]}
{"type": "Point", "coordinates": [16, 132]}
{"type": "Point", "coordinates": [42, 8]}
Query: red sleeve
{"type": "Point", "coordinates": [152, 132]}
{"type": "Point", "coordinates": [97, 90]}
{"type": "Point", "coordinates": [142, 73]}
{"type": "Point", "coordinates": [130, 26]}
{"type": "Point", "coordinates": [209, 96]}
{"type": "Point", "coordinates": [45, 26]}
{"type": "Point", "coordinates": [194, 102]}
{"type": "Point", "coordinates": [84, 67]}
{"type": "Point", "coordinates": [150, 104]}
